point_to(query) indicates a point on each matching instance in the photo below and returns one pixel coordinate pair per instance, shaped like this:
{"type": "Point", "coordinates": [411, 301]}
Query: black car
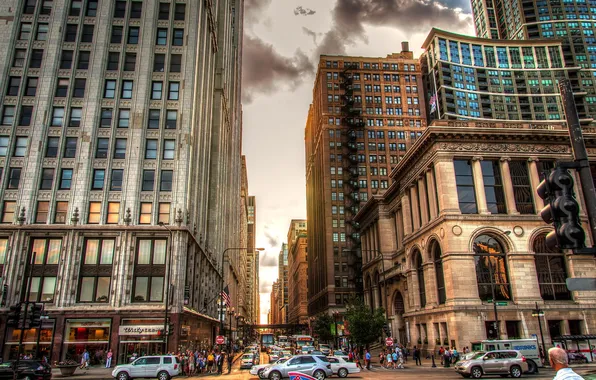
{"type": "Point", "coordinates": [28, 370]}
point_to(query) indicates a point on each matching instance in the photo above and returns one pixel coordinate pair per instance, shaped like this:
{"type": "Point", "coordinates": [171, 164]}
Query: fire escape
{"type": "Point", "coordinates": [352, 119]}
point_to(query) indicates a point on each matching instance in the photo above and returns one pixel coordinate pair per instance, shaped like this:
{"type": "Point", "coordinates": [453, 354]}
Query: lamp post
{"type": "Point", "coordinates": [230, 314]}
{"type": "Point", "coordinates": [166, 333]}
{"type": "Point", "coordinates": [539, 313]}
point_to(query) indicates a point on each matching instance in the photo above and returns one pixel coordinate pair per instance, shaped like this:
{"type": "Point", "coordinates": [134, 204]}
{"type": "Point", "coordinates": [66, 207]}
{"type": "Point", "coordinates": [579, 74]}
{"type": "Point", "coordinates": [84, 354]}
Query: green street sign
{"type": "Point", "coordinates": [489, 301]}
{"type": "Point", "coordinates": [501, 303]}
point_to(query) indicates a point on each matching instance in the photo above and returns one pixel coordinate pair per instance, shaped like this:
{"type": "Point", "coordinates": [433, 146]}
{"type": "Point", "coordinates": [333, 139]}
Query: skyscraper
{"type": "Point", "coordinates": [282, 275]}
{"type": "Point", "coordinates": [120, 141]}
{"type": "Point", "coordinates": [364, 114]}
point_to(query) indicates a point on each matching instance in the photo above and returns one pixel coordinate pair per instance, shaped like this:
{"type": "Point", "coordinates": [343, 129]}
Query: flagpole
{"type": "Point", "coordinates": [436, 95]}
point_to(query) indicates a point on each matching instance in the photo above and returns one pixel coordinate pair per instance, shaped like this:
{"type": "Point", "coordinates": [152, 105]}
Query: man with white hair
{"type": "Point", "coordinates": [558, 360]}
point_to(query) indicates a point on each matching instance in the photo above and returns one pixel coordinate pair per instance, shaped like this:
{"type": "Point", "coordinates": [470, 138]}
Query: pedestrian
{"type": "Point", "coordinates": [394, 359]}
{"type": "Point", "coordinates": [357, 359]}
{"type": "Point", "coordinates": [367, 359]}
{"type": "Point", "coordinates": [109, 358]}
{"type": "Point", "coordinates": [416, 356]}
{"type": "Point", "coordinates": [559, 362]}
{"type": "Point", "coordinates": [441, 354]}
{"type": "Point", "coordinates": [210, 362]}
{"type": "Point", "coordinates": [191, 364]}
{"type": "Point", "coordinates": [382, 358]}
{"type": "Point", "coordinates": [406, 351]}
{"type": "Point", "coordinates": [230, 360]}
{"type": "Point", "coordinates": [220, 362]}
{"type": "Point", "coordinates": [389, 360]}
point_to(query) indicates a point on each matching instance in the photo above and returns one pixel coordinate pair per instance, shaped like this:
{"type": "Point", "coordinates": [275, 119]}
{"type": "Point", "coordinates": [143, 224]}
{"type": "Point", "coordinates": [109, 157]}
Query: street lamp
{"type": "Point", "coordinates": [539, 313]}
{"type": "Point", "coordinates": [230, 314]}
{"type": "Point", "coordinates": [167, 283]}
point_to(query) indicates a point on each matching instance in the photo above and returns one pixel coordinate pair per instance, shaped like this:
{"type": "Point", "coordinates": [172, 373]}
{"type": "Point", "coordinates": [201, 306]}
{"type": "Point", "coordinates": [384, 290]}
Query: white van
{"type": "Point", "coordinates": [528, 348]}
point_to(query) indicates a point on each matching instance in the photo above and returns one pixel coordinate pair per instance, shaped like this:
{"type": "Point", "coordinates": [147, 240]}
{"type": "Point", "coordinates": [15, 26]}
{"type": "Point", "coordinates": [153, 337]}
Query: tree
{"type": "Point", "coordinates": [322, 327]}
{"type": "Point", "coordinates": [365, 326]}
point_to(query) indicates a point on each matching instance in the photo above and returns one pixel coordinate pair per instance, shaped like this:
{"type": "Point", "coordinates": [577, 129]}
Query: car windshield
{"type": "Point", "coordinates": [323, 359]}
{"type": "Point", "coordinates": [474, 355]}
{"type": "Point", "coordinates": [280, 361]}
{"type": "Point", "coordinates": [247, 357]}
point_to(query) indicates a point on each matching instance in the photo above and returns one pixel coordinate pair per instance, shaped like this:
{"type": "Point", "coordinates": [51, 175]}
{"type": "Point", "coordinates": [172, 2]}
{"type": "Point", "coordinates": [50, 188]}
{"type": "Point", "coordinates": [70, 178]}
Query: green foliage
{"type": "Point", "coordinates": [322, 327]}
{"type": "Point", "coordinates": [365, 326]}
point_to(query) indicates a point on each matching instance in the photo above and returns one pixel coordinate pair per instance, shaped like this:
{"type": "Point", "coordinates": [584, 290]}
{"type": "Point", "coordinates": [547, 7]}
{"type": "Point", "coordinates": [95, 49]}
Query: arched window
{"type": "Point", "coordinates": [398, 304]}
{"type": "Point", "coordinates": [420, 274]}
{"type": "Point", "coordinates": [440, 277]}
{"type": "Point", "coordinates": [551, 271]}
{"type": "Point", "coordinates": [491, 269]}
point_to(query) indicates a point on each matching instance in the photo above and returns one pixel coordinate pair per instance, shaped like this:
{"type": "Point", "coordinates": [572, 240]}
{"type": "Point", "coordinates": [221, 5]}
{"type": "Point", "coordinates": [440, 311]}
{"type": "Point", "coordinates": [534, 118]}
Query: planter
{"type": "Point", "coordinates": [67, 370]}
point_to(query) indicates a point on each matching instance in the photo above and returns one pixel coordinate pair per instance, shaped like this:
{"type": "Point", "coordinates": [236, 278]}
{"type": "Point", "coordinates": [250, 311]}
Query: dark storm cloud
{"type": "Point", "coordinates": [254, 9]}
{"type": "Point", "coordinates": [300, 10]}
{"type": "Point", "coordinates": [264, 70]}
{"type": "Point", "coordinates": [409, 16]}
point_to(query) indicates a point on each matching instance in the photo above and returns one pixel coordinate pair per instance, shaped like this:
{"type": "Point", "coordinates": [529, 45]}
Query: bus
{"type": "Point", "coordinates": [267, 340]}
{"type": "Point", "coordinates": [302, 340]}
{"type": "Point", "coordinates": [282, 341]}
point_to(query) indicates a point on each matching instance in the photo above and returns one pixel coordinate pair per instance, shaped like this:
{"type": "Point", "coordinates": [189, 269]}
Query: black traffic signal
{"type": "Point", "coordinates": [186, 294]}
{"type": "Point", "coordinates": [4, 295]}
{"type": "Point", "coordinates": [170, 328]}
{"type": "Point", "coordinates": [35, 316]}
{"type": "Point", "coordinates": [386, 330]}
{"type": "Point", "coordinates": [14, 316]}
{"type": "Point", "coordinates": [561, 210]}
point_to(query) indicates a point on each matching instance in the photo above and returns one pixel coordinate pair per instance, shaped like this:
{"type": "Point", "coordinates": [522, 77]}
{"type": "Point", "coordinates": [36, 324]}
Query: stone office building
{"type": "Point", "coordinates": [458, 229]}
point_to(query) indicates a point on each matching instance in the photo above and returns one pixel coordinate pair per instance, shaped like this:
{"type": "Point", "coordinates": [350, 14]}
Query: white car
{"type": "Point", "coordinates": [307, 349]}
{"type": "Point", "coordinates": [248, 360]}
{"type": "Point", "coordinates": [257, 370]}
{"type": "Point", "coordinates": [274, 356]}
{"type": "Point", "coordinates": [161, 367]}
{"type": "Point", "coordinates": [286, 354]}
{"type": "Point", "coordinates": [341, 367]}
{"type": "Point", "coordinates": [325, 349]}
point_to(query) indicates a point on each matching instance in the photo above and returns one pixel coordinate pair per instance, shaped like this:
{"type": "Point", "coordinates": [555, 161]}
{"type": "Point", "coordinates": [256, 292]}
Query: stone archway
{"type": "Point", "coordinates": [398, 308]}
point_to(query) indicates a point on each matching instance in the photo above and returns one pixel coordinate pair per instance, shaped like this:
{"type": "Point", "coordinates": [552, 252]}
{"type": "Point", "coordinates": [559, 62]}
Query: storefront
{"type": "Point", "coordinates": [92, 335]}
{"type": "Point", "coordinates": [31, 339]}
{"type": "Point", "coordinates": [140, 337]}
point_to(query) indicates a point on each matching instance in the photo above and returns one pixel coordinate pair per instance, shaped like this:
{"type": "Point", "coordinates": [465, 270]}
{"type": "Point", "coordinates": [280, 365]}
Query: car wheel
{"type": "Point", "coordinates": [275, 375]}
{"type": "Point", "coordinates": [27, 378]}
{"type": "Point", "coordinates": [122, 376]}
{"type": "Point", "coordinates": [515, 371]}
{"type": "Point", "coordinates": [342, 372]}
{"type": "Point", "coordinates": [319, 375]}
{"type": "Point", "coordinates": [476, 373]}
{"type": "Point", "coordinates": [532, 367]}
{"type": "Point", "coordinates": [260, 373]}
{"type": "Point", "coordinates": [163, 375]}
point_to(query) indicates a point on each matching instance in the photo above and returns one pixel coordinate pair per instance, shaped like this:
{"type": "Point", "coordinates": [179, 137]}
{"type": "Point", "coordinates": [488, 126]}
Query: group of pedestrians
{"type": "Point", "coordinates": [204, 362]}
{"type": "Point", "coordinates": [393, 358]}
{"type": "Point", "coordinates": [450, 355]}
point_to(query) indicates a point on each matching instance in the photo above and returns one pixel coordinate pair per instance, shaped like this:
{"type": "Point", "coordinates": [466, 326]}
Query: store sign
{"type": "Point", "coordinates": [140, 330]}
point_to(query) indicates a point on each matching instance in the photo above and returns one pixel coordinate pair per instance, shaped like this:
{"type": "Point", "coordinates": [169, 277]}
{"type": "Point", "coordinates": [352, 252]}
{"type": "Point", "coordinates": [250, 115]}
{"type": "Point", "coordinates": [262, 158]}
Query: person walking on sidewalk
{"type": "Point", "coordinates": [416, 356]}
{"type": "Point", "coordinates": [367, 359]}
{"type": "Point", "coordinates": [220, 362]}
{"type": "Point", "coordinates": [559, 361]}
{"type": "Point", "coordinates": [230, 361]}
{"type": "Point", "coordinates": [109, 358]}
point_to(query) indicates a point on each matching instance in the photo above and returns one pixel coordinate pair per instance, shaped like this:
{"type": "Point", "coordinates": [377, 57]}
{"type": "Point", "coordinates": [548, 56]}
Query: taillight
{"type": "Point", "coordinates": [523, 359]}
{"type": "Point", "coordinates": [175, 366]}
{"type": "Point", "coordinates": [329, 366]}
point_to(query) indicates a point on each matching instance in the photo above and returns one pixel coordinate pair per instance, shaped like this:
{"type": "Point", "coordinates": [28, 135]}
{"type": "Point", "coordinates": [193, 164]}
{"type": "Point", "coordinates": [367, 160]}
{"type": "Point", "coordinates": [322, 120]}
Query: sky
{"type": "Point", "coordinates": [282, 43]}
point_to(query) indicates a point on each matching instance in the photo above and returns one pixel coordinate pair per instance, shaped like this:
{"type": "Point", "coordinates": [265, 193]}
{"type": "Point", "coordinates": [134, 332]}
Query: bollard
{"type": "Point", "coordinates": [433, 359]}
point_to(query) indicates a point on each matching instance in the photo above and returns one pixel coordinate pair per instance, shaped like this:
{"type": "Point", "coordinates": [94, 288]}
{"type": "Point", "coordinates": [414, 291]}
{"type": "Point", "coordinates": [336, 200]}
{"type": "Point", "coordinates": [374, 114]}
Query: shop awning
{"type": "Point", "coordinates": [576, 337]}
{"type": "Point", "coordinates": [201, 315]}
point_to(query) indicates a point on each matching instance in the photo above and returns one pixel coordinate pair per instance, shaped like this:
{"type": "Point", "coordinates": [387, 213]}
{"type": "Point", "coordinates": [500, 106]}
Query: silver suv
{"type": "Point", "coordinates": [315, 366]}
{"type": "Point", "coordinates": [506, 362]}
{"type": "Point", "coordinates": [161, 367]}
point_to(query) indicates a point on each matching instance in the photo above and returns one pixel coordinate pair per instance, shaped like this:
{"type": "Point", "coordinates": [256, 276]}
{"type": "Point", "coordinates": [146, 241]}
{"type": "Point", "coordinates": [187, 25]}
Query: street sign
{"type": "Point", "coordinates": [538, 314]}
{"type": "Point", "coordinates": [581, 284]}
{"type": "Point", "coordinates": [389, 342]}
{"type": "Point", "coordinates": [220, 339]}
{"type": "Point", "coordinates": [501, 303]}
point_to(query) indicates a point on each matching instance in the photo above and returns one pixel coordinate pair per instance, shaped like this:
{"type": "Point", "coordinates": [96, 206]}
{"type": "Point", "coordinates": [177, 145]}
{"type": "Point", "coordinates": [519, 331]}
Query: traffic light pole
{"type": "Point", "coordinates": [580, 155]}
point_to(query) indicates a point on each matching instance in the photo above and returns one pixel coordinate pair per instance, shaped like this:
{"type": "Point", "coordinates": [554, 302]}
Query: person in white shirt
{"type": "Point", "coordinates": [559, 362]}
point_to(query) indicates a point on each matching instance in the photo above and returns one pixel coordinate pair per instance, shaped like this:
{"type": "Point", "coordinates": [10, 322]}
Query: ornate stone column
{"type": "Point", "coordinates": [508, 186]}
{"type": "Point", "coordinates": [431, 193]}
{"type": "Point", "coordinates": [446, 186]}
{"type": "Point", "coordinates": [405, 205]}
{"type": "Point", "coordinates": [535, 181]}
{"type": "Point", "coordinates": [415, 207]}
{"type": "Point", "coordinates": [479, 185]}
{"type": "Point", "coordinates": [423, 204]}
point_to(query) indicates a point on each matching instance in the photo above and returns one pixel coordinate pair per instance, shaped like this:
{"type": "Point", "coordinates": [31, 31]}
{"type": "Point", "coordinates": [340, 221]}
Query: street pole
{"type": "Point", "coordinates": [22, 332]}
{"type": "Point", "coordinates": [166, 333]}
{"type": "Point", "coordinates": [492, 288]}
{"type": "Point", "coordinates": [539, 313]}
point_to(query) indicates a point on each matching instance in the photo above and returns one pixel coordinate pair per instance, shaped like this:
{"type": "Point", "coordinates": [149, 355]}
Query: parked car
{"type": "Point", "coordinates": [248, 360]}
{"type": "Point", "coordinates": [286, 354]}
{"type": "Point", "coordinates": [28, 369]}
{"type": "Point", "coordinates": [317, 352]}
{"type": "Point", "coordinates": [161, 367]}
{"type": "Point", "coordinates": [274, 356]}
{"type": "Point", "coordinates": [316, 366]}
{"type": "Point", "coordinates": [259, 368]}
{"type": "Point", "coordinates": [506, 362]}
{"type": "Point", "coordinates": [306, 350]}
{"type": "Point", "coordinates": [325, 349]}
{"type": "Point", "coordinates": [342, 367]}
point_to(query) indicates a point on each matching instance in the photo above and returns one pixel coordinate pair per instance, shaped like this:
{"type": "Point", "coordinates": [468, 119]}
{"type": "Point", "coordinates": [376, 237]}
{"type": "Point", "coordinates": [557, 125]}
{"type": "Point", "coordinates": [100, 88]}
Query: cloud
{"type": "Point", "coordinates": [272, 240]}
{"type": "Point", "coordinates": [267, 259]}
{"type": "Point", "coordinates": [303, 11]}
{"type": "Point", "coordinates": [265, 287]}
{"type": "Point", "coordinates": [311, 33]}
{"type": "Point", "coordinates": [265, 70]}
{"type": "Point", "coordinates": [254, 10]}
{"type": "Point", "coordinates": [409, 16]}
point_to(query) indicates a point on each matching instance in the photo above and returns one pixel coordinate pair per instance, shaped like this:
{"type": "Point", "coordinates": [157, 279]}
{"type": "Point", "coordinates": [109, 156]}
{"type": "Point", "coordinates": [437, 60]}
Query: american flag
{"type": "Point", "coordinates": [225, 295]}
{"type": "Point", "coordinates": [299, 376]}
{"type": "Point", "coordinates": [433, 103]}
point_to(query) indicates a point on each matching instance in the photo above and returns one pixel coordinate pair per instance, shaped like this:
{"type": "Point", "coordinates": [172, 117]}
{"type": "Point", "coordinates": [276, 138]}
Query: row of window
{"type": "Point", "coordinates": [373, 77]}
{"type": "Point", "coordinates": [373, 66]}
{"type": "Point", "coordinates": [126, 90]}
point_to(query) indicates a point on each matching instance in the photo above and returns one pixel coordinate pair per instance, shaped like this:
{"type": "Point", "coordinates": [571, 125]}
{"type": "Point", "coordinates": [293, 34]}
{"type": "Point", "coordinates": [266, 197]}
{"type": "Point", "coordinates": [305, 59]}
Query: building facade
{"type": "Point", "coordinates": [252, 266]}
{"type": "Point", "coordinates": [120, 122]}
{"type": "Point", "coordinates": [282, 276]}
{"type": "Point", "coordinates": [364, 114]}
{"type": "Point", "coordinates": [458, 230]}
{"type": "Point", "coordinates": [298, 281]}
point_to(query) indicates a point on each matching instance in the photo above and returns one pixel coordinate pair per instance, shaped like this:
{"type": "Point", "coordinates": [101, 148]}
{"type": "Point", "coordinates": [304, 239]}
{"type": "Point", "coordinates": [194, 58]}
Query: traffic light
{"type": "Point", "coordinates": [186, 294]}
{"type": "Point", "coordinates": [561, 210]}
{"type": "Point", "coordinates": [386, 330]}
{"type": "Point", "coordinates": [14, 316]}
{"type": "Point", "coordinates": [170, 328]}
{"type": "Point", "coordinates": [35, 316]}
{"type": "Point", "coordinates": [4, 295]}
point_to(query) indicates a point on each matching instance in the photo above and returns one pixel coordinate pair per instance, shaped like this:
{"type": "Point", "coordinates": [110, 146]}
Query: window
{"type": "Point", "coordinates": [8, 211]}
{"type": "Point", "coordinates": [522, 189]}
{"type": "Point", "coordinates": [14, 83]}
{"type": "Point", "coordinates": [178, 37]}
{"type": "Point", "coordinates": [41, 214]}
{"type": "Point", "coordinates": [136, 9]}
{"type": "Point", "coordinates": [130, 60]}
{"type": "Point", "coordinates": [106, 117]}
{"type": "Point", "coordinates": [94, 212]}
{"type": "Point", "coordinates": [52, 146]}
{"type": "Point", "coordinates": [29, 8]}
{"type": "Point", "coordinates": [8, 115]}
{"type": "Point", "coordinates": [491, 269]}
{"type": "Point", "coordinates": [174, 91]}
{"type": "Point", "coordinates": [465, 187]}
{"type": "Point", "coordinates": [113, 212]}
{"type": "Point", "coordinates": [551, 271]}
{"type": "Point", "coordinates": [176, 63]}
{"type": "Point", "coordinates": [70, 34]}
{"type": "Point", "coordinates": [148, 180]}
{"type": "Point", "coordinates": [14, 177]}
{"type": "Point", "coordinates": [79, 88]}
{"type": "Point", "coordinates": [62, 87]}
{"type": "Point", "coordinates": [47, 179]}
{"type": "Point", "coordinates": [164, 213]}
{"type": "Point", "coordinates": [120, 149]}
{"type": "Point", "coordinates": [57, 117]}
{"type": "Point", "coordinates": [439, 275]}
{"type": "Point", "coordinates": [120, 9]}
{"type": "Point", "coordinates": [166, 180]}
{"type": "Point", "coordinates": [31, 88]}
{"type": "Point", "coordinates": [3, 146]}
{"type": "Point", "coordinates": [162, 37]}
{"type": "Point", "coordinates": [65, 179]}
{"type": "Point", "coordinates": [20, 148]}
{"type": "Point", "coordinates": [171, 119]}
{"type": "Point", "coordinates": [151, 150]}
{"type": "Point", "coordinates": [91, 8]}
{"type": "Point", "coordinates": [96, 270]}
{"type": "Point", "coordinates": [99, 176]}
{"type": "Point", "coordinates": [164, 11]}
{"type": "Point", "coordinates": [75, 7]}
{"type": "Point", "coordinates": [420, 275]}
{"type": "Point", "coordinates": [123, 118]}
{"type": "Point", "coordinates": [151, 253]}
{"type": "Point", "coordinates": [513, 332]}
{"type": "Point", "coordinates": [153, 122]}
{"type": "Point", "coordinates": [66, 59]}
{"type": "Point", "coordinates": [70, 147]}
{"type": "Point", "coordinates": [179, 12]}
{"type": "Point", "coordinates": [159, 63]}
{"type": "Point", "coordinates": [25, 31]}
{"type": "Point", "coordinates": [133, 35]}
{"type": "Point", "coordinates": [75, 117]}
{"type": "Point", "coordinates": [60, 213]}
{"type": "Point", "coordinates": [26, 114]}
{"type": "Point", "coordinates": [83, 62]}
{"type": "Point", "coordinates": [493, 187]}
{"type": "Point", "coordinates": [47, 257]}
{"type": "Point", "coordinates": [19, 58]}
{"type": "Point", "coordinates": [169, 149]}
{"type": "Point", "coordinates": [87, 35]}
{"type": "Point", "coordinates": [127, 89]}
{"type": "Point", "coordinates": [145, 214]}
{"type": "Point", "coordinates": [109, 89]}
{"type": "Point", "coordinates": [156, 90]}
{"type": "Point", "coordinates": [116, 36]}
{"type": "Point", "coordinates": [113, 61]}
{"type": "Point", "coordinates": [103, 145]}
{"type": "Point", "coordinates": [36, 59]}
